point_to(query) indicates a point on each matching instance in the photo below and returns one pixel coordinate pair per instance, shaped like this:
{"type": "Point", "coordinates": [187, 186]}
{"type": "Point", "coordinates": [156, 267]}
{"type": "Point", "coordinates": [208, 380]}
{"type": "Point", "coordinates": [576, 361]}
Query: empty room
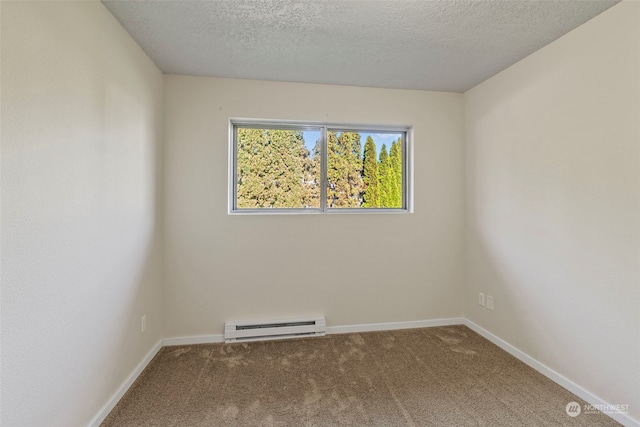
{"type": "Point", "coordinates": [320, 213]}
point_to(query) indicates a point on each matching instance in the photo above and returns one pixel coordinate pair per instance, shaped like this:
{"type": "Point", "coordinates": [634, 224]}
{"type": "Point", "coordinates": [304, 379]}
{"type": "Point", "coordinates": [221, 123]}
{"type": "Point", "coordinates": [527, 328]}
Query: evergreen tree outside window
{"type": "Point", "coordinates": [318, 168]}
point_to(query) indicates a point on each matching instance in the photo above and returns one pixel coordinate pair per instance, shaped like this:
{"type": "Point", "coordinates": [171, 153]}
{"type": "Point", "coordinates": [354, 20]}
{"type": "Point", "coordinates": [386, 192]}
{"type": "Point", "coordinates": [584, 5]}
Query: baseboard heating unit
{"type": "Point", "coordinates": [274, 329]}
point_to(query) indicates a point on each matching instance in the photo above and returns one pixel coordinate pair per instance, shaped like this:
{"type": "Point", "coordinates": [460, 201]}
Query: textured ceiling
{"type": "Point", "coordinates": [444, 45]}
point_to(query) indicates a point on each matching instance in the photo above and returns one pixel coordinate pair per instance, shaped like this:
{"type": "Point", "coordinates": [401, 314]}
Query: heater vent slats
{"type": "Point", "coordinates": [274, 325]}
{"type": "Point", "coordinates": [270, 330]}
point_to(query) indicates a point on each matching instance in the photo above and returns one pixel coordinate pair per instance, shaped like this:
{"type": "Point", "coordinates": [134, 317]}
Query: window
{"type": "Point", "coordinates": [299, 168]}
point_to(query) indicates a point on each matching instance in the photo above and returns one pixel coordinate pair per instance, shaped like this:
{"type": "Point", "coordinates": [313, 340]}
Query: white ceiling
{"type": "Point", "coordinates": [443, 45]}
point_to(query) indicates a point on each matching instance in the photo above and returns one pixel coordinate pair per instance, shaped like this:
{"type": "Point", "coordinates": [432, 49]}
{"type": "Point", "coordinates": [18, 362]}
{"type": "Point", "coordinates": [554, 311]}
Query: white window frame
{"type": "Point", "coordinates": [323, 127]}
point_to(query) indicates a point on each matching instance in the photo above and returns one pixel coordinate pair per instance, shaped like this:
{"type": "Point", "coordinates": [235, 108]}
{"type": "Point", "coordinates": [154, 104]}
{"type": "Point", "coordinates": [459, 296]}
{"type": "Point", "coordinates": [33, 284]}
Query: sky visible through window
{"type": "Point", "coordinates": [311, 136]}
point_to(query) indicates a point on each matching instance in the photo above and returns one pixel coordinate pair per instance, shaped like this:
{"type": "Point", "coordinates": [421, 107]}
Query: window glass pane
{"type": "Point", "coordinates": [277, 168]}
{"type": "Point", "coordinates": [364, 169]}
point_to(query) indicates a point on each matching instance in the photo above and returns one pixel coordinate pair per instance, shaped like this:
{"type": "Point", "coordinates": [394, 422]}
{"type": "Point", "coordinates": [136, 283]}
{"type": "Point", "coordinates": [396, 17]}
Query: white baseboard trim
{"type": "Point", "coordinates": [390, 326]}
{"type": "Point", "coordinates": [198, 339]}
{"type": "Point", "coordinates": [338, 329]}
{"type": "Point", "coordinates": [554, 376]}
{"type": "Point", "coordinates": [115, 398]}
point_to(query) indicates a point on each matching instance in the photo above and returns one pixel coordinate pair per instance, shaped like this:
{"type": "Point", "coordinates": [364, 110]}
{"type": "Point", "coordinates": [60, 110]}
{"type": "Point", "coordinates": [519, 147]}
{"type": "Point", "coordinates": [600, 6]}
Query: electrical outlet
{"type": "Point", "coordinates": [143, 323]}
{"type": "Point", "coordinates": [489, 302]}
{"type": "Point", "coordinates": [481, 299]}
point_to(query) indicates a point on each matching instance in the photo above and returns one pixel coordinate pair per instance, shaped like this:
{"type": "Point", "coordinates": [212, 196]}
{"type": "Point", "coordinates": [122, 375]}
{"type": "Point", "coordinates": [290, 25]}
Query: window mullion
{"type": "Point", "coordinates": [323, 169]}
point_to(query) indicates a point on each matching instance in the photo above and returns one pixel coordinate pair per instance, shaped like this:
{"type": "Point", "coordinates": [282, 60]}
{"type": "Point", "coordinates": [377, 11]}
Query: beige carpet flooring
{"type": "Point", "coordinates": [446, 376]}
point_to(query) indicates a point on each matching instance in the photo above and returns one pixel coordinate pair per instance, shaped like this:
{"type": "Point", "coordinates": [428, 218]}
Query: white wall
{"type": "Point", "coordinates": [553, 186]}
{"type": "Point", "coordinates": [81, 109]}
{"type": "Point", "coordinates": [351, 268]}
